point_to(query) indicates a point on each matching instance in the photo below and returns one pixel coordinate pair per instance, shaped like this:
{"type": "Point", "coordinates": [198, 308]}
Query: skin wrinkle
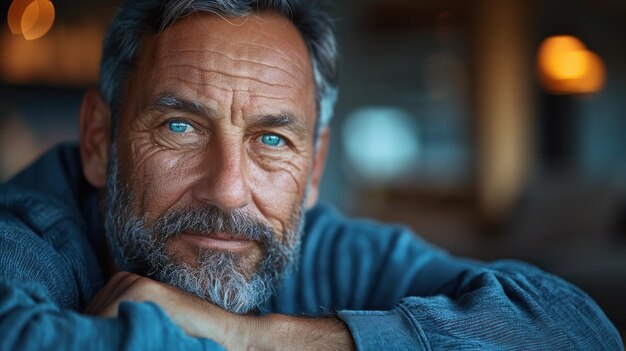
{"type": "Point", "coordinates": [283, 28]}
{"type": "Point", "coordinates": [185, 81]}
{"type": "Point", "coordinates": [222, 162]}
{"type": "Point", "coordinates": [180, 174]}
{"type": "Point", "coordinates": [300, 131]}
{"type": "Point", "coordinates": [137, 148]}
{"type": "Point", "coordinates": [148, 151]}
{"type": "Point", "coordinates": [210, 72]}
{"type": "Point", "coordinates": [225, 275]}
{"type": "Point", "coordinates": [242, 50]}
{"type": "Point", "coordinates": [271, 67]}
{"type": "Point", "coordinates": [236, 104]}
{"type": "Point", "coordinates": [179, 80]}
{"type": "Point", "coordinates": [202, 83]}
{"type": "Point", "coordinates": [142, 146]}
{"type": "Point", "coordinates": [263, 122]}
{"type": "Point", "coordinates": [245, 46]}
{"type": "Point", "coordinates": [271, 97]}
{"type": "Point", "coordinates": [278, 52]}
{"type": "Point", "coordinates": [266, 211]}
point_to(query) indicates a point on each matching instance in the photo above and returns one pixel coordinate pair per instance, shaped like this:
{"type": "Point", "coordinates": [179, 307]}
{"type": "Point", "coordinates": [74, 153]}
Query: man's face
{"type": "Point", "coordinates": [214, 148]}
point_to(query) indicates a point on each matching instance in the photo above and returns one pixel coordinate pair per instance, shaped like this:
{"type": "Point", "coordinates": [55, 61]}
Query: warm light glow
{"type": "Point", "coordinates": [67, 56]}
{"type": "Point", "coordinates": [43, 12]}
{"type": "Point", "coordinates": [567, 67]}
{"type": "Point", "coordinates": [596, 75]}
{"type": "Point", "coordinates": [14, 17]}
{"type": "Point", "coordinates": [31, 18]}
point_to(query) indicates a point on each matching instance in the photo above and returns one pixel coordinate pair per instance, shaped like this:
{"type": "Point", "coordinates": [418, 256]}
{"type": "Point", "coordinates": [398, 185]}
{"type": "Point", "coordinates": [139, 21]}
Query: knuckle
{"type": "Point", "coordinates": [143, 288]}
{"type": "Point", "coordinates": [120, 277]}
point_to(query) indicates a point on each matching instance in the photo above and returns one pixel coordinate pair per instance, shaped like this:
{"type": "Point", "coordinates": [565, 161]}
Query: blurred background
{"type": "Point", "coordinates": [493, 128]}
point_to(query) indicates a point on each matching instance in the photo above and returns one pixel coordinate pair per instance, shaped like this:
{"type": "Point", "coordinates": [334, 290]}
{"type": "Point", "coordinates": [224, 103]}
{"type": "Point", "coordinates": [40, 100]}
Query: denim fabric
{"type": "Point", "coordinates": [393, 290]}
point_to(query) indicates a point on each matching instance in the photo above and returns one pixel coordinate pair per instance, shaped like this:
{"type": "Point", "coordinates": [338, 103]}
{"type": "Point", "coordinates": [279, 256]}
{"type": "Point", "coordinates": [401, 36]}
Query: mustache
{"type": "Point", "coordinates": [207, 219]}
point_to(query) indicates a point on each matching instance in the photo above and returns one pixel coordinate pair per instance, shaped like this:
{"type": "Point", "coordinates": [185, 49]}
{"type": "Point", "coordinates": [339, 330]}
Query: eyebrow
{"type": "Point", "coordinates": [171, 102]}
{"type": "Point", "coordinates": [282, 120]}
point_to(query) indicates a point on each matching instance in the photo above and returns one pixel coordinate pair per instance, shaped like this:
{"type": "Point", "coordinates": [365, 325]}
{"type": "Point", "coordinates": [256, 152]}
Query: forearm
{"type": "Point", "coordinates": [30, 320]}
{"type": "Point", "coordinates": [201, 319]}
{"type": "Point", "coordinates": [281, 332]}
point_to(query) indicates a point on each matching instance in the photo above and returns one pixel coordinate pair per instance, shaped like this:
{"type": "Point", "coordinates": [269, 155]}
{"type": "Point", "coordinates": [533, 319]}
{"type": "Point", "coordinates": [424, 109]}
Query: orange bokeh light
{"type": "Point", "coordinates": [14, 17]}
{"type": "Point", "coordinates": [567, 67]}
{"type": "Point", "coordinates": [31, 18]}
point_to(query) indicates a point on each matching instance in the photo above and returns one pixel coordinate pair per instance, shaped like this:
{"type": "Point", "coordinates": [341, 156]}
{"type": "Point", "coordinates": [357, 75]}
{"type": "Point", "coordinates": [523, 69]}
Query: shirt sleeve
{"type": "Point", "coordinates": [32, 282]}
{"type": "Point", "coordinates": [395, 291]}
{"type": "Point", "coordinates": [30, 321]}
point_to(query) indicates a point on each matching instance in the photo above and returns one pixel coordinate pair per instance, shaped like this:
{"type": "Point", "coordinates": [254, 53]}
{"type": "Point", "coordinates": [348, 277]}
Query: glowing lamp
{"type": "Point", "coordinates": [31, 18]}
{"type": "Point", "coordinates": [567, 67]}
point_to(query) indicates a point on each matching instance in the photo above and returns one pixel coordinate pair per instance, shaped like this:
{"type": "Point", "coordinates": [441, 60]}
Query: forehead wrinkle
{"type": "Point", "coordinates": [206, 76]}
{"type": "Point", "coordinates": [207, 62]}
{"type": "Point", "coordinates": [182, 81]}
{"type": "Point", "coordinates": [297, 60]}
{"type": "Point", "coordinates": [202, 82]}
{"type": "Point", "coordinates": [282, 55]}
{"type": "Point", "coordinates": [274, 97]}
{"type": "Point", "coordinates": [265, 57]}
{"type": "Point", "coordinates": [242, 44]}
{"type": "Point", "coordinates": [232, 72]}
{"type": "Point", "coordinates": [244, 60]}
{"type": "Point", "coordinates": [298, 55]}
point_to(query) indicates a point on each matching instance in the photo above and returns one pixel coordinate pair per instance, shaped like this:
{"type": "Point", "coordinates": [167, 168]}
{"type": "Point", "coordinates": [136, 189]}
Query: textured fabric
{"type": "Point", "coordinates": [393, 290]}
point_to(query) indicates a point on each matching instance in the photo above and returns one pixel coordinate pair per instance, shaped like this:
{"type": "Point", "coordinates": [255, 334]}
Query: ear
{"type": "Point", "coordinates": [95, 122]}
{"type": "Point", "coordinates": [318, 167]}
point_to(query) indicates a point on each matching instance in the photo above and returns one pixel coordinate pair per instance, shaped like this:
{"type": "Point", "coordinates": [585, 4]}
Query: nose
{"type": "Point", "coordinates": [225, 184]}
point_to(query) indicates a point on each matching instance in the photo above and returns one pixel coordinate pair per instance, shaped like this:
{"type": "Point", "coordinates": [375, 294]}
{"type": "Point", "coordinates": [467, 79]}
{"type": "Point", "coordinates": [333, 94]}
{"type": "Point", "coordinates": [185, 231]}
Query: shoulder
{"type": "Point", "coordinates": [325, 225]}
{"type": "Point", "coordinates": [324, 219]}
{"type": "Point", "coordinates": [350, 263]}
{"type": "Point", "coordinates": [38, 241]}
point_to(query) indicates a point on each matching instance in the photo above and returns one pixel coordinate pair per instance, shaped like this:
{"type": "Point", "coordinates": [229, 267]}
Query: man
{"type": "Point", "coordinates": [205, 147]}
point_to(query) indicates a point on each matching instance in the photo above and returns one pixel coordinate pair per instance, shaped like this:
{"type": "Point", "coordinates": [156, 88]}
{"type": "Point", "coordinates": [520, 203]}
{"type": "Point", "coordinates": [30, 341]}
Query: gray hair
{"type": "Point", "coordinates": [140, 17]}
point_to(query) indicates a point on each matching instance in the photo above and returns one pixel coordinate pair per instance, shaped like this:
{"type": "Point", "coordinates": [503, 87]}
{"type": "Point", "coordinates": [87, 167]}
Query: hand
{"type": "Point", "coordinates": [195, 316]}
{"type": "Point", "coordinates": [200, 318]}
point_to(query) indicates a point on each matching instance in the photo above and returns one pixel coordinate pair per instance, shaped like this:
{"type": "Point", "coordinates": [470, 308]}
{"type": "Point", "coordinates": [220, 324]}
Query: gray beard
{"type": "Point", "coordinates": [219, 276]}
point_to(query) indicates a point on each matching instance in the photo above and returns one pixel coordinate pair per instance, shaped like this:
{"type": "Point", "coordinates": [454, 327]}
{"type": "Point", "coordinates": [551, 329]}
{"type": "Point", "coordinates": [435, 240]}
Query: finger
{"type": "Point", "coordinates": [96, 304]}
{"type": "Point", "coordinates": [110, 289]}
{"type": "Point", "coordinates": [107, 295]}
{"type": "Point", "coordinates": [117, 288]}
{"type": "Point", "coordinates": [132, 288]}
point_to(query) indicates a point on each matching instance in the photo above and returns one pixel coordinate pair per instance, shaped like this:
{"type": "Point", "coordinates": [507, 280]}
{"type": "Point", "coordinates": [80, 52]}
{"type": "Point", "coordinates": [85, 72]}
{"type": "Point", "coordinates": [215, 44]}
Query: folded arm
{"type": "Point", "coordinates": [38, 294]}
{"type": "Point", "coordinates": [394, 290]}
{"type": "Point", "coordinates": [387, 289]}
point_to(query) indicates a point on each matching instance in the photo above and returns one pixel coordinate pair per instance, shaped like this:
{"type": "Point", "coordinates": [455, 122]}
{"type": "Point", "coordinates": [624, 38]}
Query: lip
{"type": "Point", "coordinates": [217, 241]}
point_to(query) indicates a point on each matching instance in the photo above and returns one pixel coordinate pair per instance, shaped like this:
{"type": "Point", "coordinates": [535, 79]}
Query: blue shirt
{"type": "Point", "coordinates": [393, 290]}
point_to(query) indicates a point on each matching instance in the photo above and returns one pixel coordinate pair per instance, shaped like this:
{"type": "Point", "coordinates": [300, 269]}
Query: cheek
{"type": "Point", "coordinates": [278, 194]}
{"type": "Point", "coordinates": [162, 178]}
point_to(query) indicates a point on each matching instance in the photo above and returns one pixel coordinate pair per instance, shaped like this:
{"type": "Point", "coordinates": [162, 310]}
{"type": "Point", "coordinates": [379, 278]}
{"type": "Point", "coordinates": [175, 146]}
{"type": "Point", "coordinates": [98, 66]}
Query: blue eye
{"type": "Point", "coordinates": [272, 140]}
{"type": "Point", "coordinates": [180, 127]}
